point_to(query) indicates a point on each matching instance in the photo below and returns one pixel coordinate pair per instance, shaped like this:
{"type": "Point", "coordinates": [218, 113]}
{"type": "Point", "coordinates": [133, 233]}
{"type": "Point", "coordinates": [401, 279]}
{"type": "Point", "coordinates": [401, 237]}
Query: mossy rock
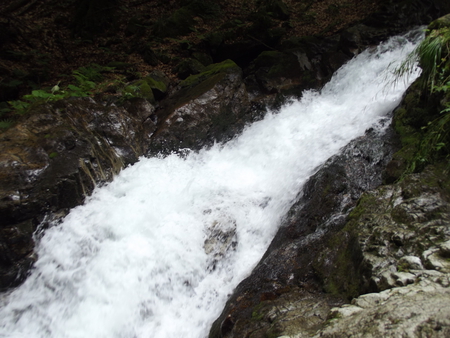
{"type": "Point", "coordinates": [140, 89]}
{"type": "Point", "coordinates": [189, 67]}
{"type": "Point", "coordinates": [261, 24]}
{"type": "Point", "coordinates": [214, 39]}
{"type": "Point", "coordinates": [148, 55]}
{"type": "Point", "coordinates": [209, 72]}
{"type": "Point", "coordinates": [279, 64]}
{"type": "Point", "coordinates": [280, 72]}
{"type": "Point", "coordinates": [442, 22]}
{"type": "Point", "coordinates": [338, 265]}
{"type": "Point", "coordinates": [159, 83]}
{"type": "Point", "coordinates": [120, 65]}
{"type": "Point", "coordinates": [413, 121]}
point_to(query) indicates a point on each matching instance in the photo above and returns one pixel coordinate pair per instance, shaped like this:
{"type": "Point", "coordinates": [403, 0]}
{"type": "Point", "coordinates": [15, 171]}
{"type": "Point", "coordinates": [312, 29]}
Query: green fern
{"type": "Point", "coordinates": [84, 76]}
{"type": "Point", "coordinates": [6, 124]}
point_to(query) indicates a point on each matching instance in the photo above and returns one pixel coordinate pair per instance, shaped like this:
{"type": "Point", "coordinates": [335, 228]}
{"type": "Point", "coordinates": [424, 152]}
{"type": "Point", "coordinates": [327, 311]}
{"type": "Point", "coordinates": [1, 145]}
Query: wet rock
{"type": "Point", "coordinates": [189, 67]}
{"type": "Point", "coordinates": [51, 161]}
{"type": "Point", "coordinates": [212, 106]}
{"type": "Point", "coordinates": [159, 83]}
{"type": "Point", "coordinates": [54, 158]}
{"type": "Point", "coordinates": [300, 256]}
{"type": "Point", "coordinates": [275, 72]}
{"type": "Point", "coordinates": [376, 251]}
{"type": "Point", "coordinates": [220, 240]}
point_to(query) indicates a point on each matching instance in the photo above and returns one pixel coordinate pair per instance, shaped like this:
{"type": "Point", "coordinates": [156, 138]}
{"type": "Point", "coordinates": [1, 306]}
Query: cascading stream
{"type": "Point", "coordinates": [157, 252]}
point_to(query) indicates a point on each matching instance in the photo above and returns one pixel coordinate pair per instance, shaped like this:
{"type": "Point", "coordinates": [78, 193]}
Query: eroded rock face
{"type": "Point", "coordinates": [289, 265]}
{"type": "Point", "coordinates": [52, 160]}
{"type": "Point", "coordinates": [395, 245]}
{"type": "Point", "coordinates": [403, 229]}
{"type": "Point", "coordinates": [404, 235]}
{"type": "Point", "coordinates": [212, 106]}
{"type": "Point", "coordinates": [416, 310]}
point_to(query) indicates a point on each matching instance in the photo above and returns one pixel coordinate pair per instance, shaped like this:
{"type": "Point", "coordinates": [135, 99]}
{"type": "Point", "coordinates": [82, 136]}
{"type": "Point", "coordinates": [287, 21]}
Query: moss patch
{"type": "Point", "coordinates": [210, 71]}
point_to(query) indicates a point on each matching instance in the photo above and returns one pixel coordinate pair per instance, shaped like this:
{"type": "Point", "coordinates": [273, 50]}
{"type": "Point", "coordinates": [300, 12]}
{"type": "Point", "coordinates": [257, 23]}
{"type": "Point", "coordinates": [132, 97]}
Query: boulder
{"type": "Point", "coordinates": [212, 106]}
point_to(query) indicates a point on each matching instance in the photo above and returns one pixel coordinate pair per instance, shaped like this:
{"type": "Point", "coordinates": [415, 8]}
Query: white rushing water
{"type": "Point", "coordinates": [131, 262]}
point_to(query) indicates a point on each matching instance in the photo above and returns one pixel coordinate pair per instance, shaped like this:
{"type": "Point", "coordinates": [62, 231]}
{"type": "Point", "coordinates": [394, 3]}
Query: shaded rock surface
{"type": "Point", "coordinates": [396, 243]}
{"type": "Point", "coordinates": [290, 262]}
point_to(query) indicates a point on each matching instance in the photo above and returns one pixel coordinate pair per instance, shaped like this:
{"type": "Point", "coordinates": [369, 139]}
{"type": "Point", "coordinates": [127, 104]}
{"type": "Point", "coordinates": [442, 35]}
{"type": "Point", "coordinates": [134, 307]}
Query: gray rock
{"type": "Point", "coordinates": [412, 311]}
{"type": "Point", "coordinates": [410, 263]}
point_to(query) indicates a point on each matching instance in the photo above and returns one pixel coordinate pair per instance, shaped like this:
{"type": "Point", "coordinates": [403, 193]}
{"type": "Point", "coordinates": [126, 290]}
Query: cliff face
{"type": "Point", "coordinates": [52, 159]}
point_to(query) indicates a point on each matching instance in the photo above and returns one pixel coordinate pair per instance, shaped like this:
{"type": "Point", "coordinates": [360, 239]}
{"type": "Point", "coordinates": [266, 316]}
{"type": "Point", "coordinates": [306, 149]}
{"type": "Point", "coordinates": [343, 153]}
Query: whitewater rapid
{"type": "Point", "coordinates": [132, 262]}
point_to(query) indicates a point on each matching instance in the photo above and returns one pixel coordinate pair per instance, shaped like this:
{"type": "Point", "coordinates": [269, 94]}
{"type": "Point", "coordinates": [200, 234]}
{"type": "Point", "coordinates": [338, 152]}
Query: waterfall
{"type": "Point", "coordinates": [156, 252]}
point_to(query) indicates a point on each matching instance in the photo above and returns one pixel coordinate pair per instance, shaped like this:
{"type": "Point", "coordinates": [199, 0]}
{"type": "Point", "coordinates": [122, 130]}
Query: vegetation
{"type": "Point", "coordinates": [433, 55]}
{"type": "Point", "coordinates": [86, 78]}
{"type": "Point", "coordinates": [42, 42]}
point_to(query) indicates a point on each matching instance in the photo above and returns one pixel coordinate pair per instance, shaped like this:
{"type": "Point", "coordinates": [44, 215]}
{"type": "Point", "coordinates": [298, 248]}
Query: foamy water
{"type": "Point", "coordinates": [132, 261]}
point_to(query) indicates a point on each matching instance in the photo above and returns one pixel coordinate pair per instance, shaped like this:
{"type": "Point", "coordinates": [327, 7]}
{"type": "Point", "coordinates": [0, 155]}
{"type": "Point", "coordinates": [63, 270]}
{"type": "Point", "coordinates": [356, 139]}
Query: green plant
{"type": "Point", "coordinates": [5, 124]}
{"type": "Point", "coordinates": [86, 82]}
{"type": "Point", "coordinates": [433, 56]}
{"type": "Point", "coordinates": [92, 72]}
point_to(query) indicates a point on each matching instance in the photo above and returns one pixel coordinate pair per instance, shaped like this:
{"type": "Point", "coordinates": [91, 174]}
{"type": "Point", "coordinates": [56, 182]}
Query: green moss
{"type": "Point", "coordinates": [365, 201]}
{"type": "Point", "coordinates": [196, 87]}
{"type": "Point", "coordinates": [6, 124]}
{"type": "Point", "coordinates": [423, 122]}
{"type": "Point", "coordinates": [155, 84]}
{"type": "Point", "coordinates": [120, 65]}
{"type": "Point", "coordinates": [403, 267]}
{"type": "Point", "coordinates": [256, 314]}
{"type": "Point", "coordinates": [210, 71]}
{"type": "Point", "coordinates": [338, 265]}
{"type": "Point", "coordinates": [139, 89]}
{"type": "Point", "coordinates": [53, 155]}
{"type": "Point", "coordinates": [346, 279]}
